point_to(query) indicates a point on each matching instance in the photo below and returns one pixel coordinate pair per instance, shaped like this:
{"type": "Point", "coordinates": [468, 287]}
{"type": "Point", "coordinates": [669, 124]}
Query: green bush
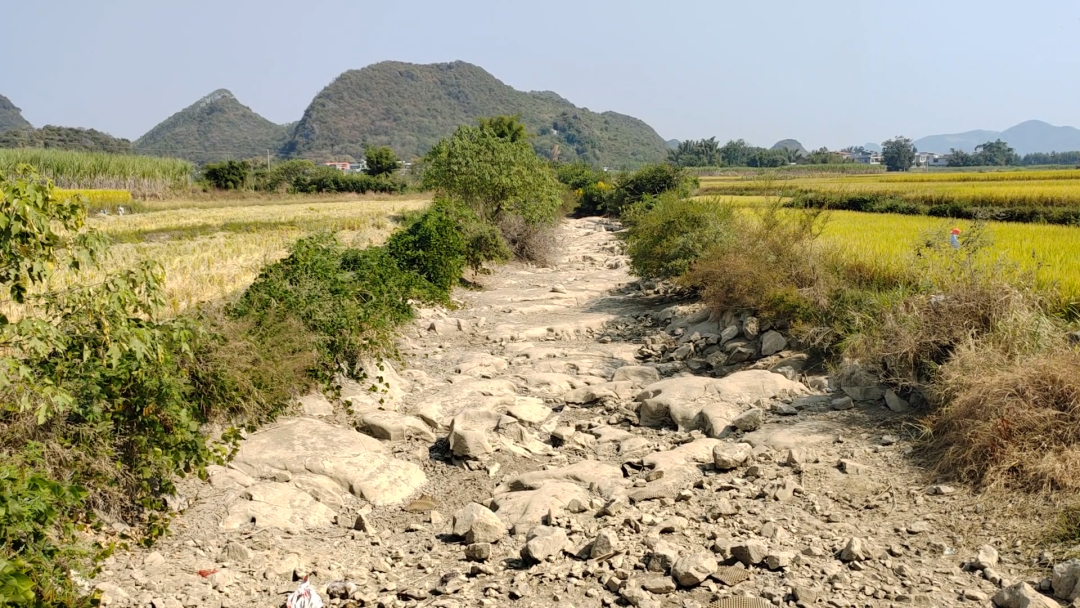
{"type": "Point", "coordinates": [381, 161]}
{"type": "Point", "coordinates": [593, 189]}
{"type": "Point", "coordinates": [228, 175]}
{"type": "Point", "coordinates": [650, 180]}
{"type": "Point", "coordinates": [668, 233]}
{"type": "Point", "coordinates": [432, 247]}
{"type": "Point", "coordinates": [331, 180]}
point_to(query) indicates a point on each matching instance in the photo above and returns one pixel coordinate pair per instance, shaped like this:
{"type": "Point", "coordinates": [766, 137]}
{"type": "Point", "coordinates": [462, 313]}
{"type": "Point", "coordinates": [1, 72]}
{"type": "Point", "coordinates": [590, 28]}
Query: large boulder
{"type": "Point", "coordinates": [526, 508]}
{"type": "Point", "coordinates": [470, 430]}
{"type": "Point", "coordinates": [277, 505]}
{"type": "Point", "coordinates": [1022, 595]}
{"type": "Point", "coordinates": [477, 524]}
{"type": "Point", "coordinates": [1065, 580]}
{"type": "Point", "coordinates": [355, 462]}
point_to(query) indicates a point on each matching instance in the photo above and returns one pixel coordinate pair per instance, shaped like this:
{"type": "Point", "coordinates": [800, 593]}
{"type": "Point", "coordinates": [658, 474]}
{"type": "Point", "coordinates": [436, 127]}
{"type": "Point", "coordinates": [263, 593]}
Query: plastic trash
{"type": "Point", "coordinates": [305, 596]}
{"type": "Point", "coordinates": [954, 239]}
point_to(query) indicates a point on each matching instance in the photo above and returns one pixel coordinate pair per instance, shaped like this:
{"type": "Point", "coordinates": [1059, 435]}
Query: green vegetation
{"type": "Point", "coordinates": [143, 176]}
{"type": "Point", "coordinates": [11, 117]}
{"type": "Point", "coordinates": [669, 232]}
{"type": "Point", "coordinates": [215, 128]}
{"type": "Point", "coordinates": [64, 138]}
{"type": "Point", "coordinates": [898, 154]}
{"type": "Point", "coordinates": [297, 176]}
{"type": "Point", "coordinates": [601, 193]}
{"type": "Point", "coordinates": [381, 161]}
{"type": "Point", "coordinates": [410, 107]}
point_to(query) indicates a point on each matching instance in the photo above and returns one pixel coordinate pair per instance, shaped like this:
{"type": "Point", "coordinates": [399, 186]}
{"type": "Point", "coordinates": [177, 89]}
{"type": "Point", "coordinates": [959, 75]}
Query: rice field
{"type": "Point", "coordinates": [887, 242]}
{"type": "Point", "coordinates": [213, 254]}
{"type": "Point", "coordinates": [1055, 192]}
{"type": "Point", "coordinates": [144, 176]}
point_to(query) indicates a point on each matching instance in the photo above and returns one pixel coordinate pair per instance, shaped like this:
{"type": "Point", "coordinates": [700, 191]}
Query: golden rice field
{"type": "Point", "coordinates": [210, 254]}
{"type": "Point", "coordinates": [1053, 189]}
{"type": "Point", "coordinates": [887, 243]}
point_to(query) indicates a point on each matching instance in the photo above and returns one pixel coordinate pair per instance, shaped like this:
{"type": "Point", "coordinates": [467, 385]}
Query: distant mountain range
{"type": "Point", "coordinates": [1025, 138]}
{"type": "Point", "coordinates": [789, 144]}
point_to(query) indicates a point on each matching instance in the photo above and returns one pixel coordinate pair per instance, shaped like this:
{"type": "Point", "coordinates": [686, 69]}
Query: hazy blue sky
{"type": "Point", "coordinates": [827, 72]}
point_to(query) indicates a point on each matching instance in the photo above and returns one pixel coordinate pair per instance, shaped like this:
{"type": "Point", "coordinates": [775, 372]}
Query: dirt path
{"type": "Point", "coordinates": [612, 464]}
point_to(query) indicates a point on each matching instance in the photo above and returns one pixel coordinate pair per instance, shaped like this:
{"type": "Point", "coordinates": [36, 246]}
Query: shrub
{"type": "Point", "coordinates": [650, 180]}
{"type": "Point", "coordinates": [432, 247]}
{"type": "Point", "coordinates": [667, 233]}
{"type": "Point", "coordinates": [535, 243]}
{"type": "Point", "coordinates": [588, 186]}
{"type": "Point", "coordinates": [228, 175]}
{"type": "Point", "coordinates": [331, 180]}
{"type": "Point", "coordinates": [283, 175]}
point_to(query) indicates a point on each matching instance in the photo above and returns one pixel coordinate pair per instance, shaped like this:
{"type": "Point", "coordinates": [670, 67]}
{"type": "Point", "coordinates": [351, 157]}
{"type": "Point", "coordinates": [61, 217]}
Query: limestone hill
{"type": "Point", "coordinates": [64, 138]}
{"type": "Point", "coordinates": [410, 107]}
{"type": "Point", "coordinates": [216, 127]}
{"type": "Point", "coordinates": [10, 116]}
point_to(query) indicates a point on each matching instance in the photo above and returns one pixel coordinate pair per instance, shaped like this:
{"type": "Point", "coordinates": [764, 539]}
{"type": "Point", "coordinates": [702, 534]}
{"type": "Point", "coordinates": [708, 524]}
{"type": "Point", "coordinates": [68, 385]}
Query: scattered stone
{"type": "Point", "coordinates": [851, 467]}
{"type": "Point", "coordinates": [606, 543]}
{"type": "Point", "coordinates": [855, 550]}
{"type": "Point", "coordinates": [660, 585]}
{"type": "Point", "coordinates": [663, 557]}
{"type": "Point", "coordinates": [895, 402]}
{"type": "Point", "coordinates": [843, 403]}
{"type": "Point", "coordinates": [940, 490]}
{"type": "Point", "coordinates": [728, 456]}
{"type": "Point", "coordinates": [693, 568]}
{"type": "Point", "coordinates": [973, 595]}
{"type": "Point", "coordinates": [1065, 580]}
{"type": "Point", "coordinates": [544, 542]}
{"type": "Point", "coordinates": [1022, 595]}
{"type": "Point", "coordinates": [478, 524]}
{"type": "Point", "coordinates": [778, 560]}
{"type": "Point", "coordinates": [918, 527]}
{"type": "Point", "coordinates": [772, 342]}
{"type": "Point", "coordinates": [478, 552]}
{"type": "Point", "coordinates": [987, 557]}
{"type": "Point", "coordinates": [750, 553]}
{"type": "Point", "coordinates": [234, 552]}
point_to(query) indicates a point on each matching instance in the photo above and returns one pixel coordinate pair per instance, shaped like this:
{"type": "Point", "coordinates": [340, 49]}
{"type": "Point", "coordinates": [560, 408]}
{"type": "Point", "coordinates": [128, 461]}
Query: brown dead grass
{"type": "Point", "coordinates": [535, 243]}
{"type": "Point", "coordinates": [1009, 422]}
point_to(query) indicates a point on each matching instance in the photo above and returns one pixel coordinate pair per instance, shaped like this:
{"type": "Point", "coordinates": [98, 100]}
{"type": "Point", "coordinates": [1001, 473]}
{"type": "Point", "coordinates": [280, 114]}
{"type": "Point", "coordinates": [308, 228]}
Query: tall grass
{"type": "Point", "coordinates": [144, 176]}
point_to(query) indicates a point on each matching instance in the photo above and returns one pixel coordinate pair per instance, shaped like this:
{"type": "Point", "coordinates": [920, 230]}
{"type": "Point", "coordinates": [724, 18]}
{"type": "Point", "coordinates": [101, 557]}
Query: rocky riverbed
{"type": "Point", "coordinates": [570, 437]}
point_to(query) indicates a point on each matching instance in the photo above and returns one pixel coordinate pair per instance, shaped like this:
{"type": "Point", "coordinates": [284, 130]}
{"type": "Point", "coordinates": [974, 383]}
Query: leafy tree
{"type": "Point", "coordinates": [381, 160]}
{"type": "Point", "coordinates": [228, 175]}
{"type": "Point", "coordinates": [959, 158]}
{"type": "Point", "coordinates": [649, 181]}
{"type": "Point", "coordinates": [996, 154]}
{"type": "Point", "coordinates": [505, 127]}
{"type": "Point", "coordinates": [898, 153]}
{"type": "Point", "coordinates": [855, 150]}
{"type": "Point", "coordinates": [493, 175]}
{"type": "Point", "coordinates": [690, 153]}
{"type": "Point", "coordinates": [737, 153]}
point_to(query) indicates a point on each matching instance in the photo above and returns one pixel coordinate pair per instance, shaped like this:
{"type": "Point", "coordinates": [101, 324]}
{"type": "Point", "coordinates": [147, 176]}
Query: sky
{"type": "Point", "coordinates": [828, 73]}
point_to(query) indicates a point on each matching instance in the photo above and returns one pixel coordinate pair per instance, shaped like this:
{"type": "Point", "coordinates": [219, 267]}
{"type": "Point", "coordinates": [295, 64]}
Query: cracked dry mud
{"type": "Point", "coordinates": [568, 437]}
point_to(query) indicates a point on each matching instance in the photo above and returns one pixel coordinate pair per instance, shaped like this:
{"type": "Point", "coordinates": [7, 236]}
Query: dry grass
{"type": "Point", "coordinates": [213, 253]}
{"type": "Point", "coordinates": [1010, 422]}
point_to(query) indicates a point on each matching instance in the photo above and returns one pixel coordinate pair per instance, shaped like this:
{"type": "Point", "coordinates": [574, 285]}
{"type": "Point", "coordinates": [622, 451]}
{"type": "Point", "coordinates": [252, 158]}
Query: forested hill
{"type": "Point", "coordinates": [10, 116]}
{"type": "Point", "coordinates": [216, 127]}
{"type": "Point", "coordinates": [64, 138]}
{"type": "Point", "coordinates": [409, 107]}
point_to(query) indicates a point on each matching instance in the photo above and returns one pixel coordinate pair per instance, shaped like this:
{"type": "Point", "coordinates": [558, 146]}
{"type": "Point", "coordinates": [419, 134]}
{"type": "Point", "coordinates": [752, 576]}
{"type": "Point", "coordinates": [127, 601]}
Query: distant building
{"type": "Point", "coordinates": [343, 167]}
{"type": "Point", "coordinates": [358, 167]}
{"type": "Point", "coordinates": [939, 160]}
{"type": "Point", "coordinates": [867, 158]}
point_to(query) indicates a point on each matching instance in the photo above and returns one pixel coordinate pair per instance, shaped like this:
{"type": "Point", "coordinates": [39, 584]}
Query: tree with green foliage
{"type": "Point", "coordinates": [228, 175]}
{"type": "Point", "coordinates": [668, 233]}
{"type": "Point", "coordinates": [381, 160]}
{"type": "Point", "coordinates": [996, 154]}
{"type": "Point", "coordinates": [691, 153]}
{"type": "Point", "coordinates": [898, 153]}
{"type": "Point", "coordinates": [493, 175]}
{"type": "Point", "coordinates": [505, 127]}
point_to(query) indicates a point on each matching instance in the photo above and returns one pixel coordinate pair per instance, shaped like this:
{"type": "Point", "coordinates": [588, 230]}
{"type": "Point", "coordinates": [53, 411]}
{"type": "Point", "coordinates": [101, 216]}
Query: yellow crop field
{"type": "Point", "coordinates": [886, 242]}
{"type": "Point", "coordinates": [1053, 190]}
{"type": "Point", "coordinates": [210, 254]}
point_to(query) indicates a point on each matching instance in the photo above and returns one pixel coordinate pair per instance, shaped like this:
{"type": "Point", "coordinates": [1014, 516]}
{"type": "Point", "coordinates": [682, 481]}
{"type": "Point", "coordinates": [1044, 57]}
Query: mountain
{"type": "Point", "coordinates": [10, 116]}
{"type": "Point", "coordinates": [789, 144]}
{"type": "Point", "coordinates": [872, 147]}
{"type": "Point", "coordinates": [1025, 138]}
{"type": "Point", "coordinates": [673, 143]}
{"type": "Point", "coordinates": [410, 107]}
{"type": "Point", "coordinates": [217, 127]}
{"type": "Point", "coordinates": [64, 138]}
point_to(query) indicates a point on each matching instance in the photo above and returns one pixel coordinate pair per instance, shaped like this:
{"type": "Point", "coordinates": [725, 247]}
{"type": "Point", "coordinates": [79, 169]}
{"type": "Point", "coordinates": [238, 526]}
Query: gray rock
{"type": "Point", "coordinates": [663, 557]}
{"type": "Point", "coordinates": [729, 333]}
{"type": "Point", "coordinates": [750, 553]}
{"type": "Point", "coordinates": [606, 543]}
{"type": "Point", "coordinates": [750, 420]}
{"type": "Point", "coordinates": [842, 403]}
{"type": "Point", "coordinates": [638, 597]}
{"type": "Point", "coordinates": [544, 542]}
{"type": "Point", "coordinates": [660, 585]}
{"type": "Point", "coordinates": [237, 553]}
{"type": "Point", "coordinates": [478, 552]}
{"type": "Point", "coordinates": [987, 557]}
{"type": "Point", "coordinates": [728, 456]}
{"type": "Point", "coordinates": [856, 550]}
{"type": "Point", "coordinates": [469, 432]}
{"type": "Point", "coordinates": [740, 354]}
{"type": "Point", "coordinates": [1065, 580]}
{"type": "Point", "coordinates": [1022, 595]}
{"type": "Point", "coordinates": [778, 560]}
{"type": "Point", "coordinates": [860, 384]}
{"type": "Point", "coordinates": [772, 342]}
{"type": "Point", "coordinates": [693, 568]}
{"type": "Point", "coordinates": [478, 524]}
{"type": "Point", "coordinates": [750, 327]}
{"type": "Point", "coordinates": [852, 468]}
{"type": "Point", "coordinates": [895, 402]}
